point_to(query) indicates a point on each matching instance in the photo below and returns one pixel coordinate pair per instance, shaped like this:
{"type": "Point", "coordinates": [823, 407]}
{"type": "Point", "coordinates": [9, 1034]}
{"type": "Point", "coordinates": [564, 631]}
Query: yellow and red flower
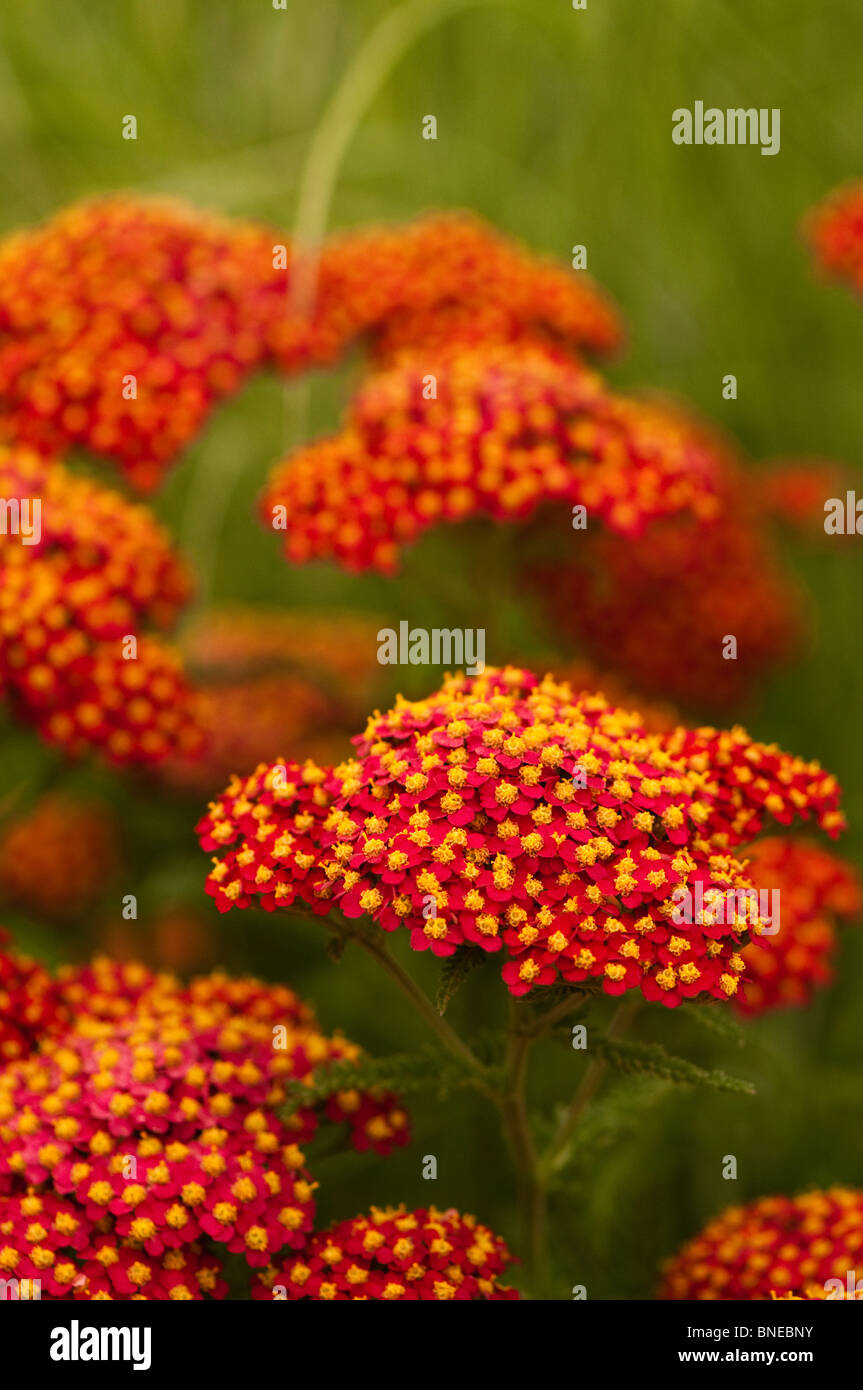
{"type": "Point", "coordinates": [99, 570]}
{"type": "Point", "coordinates": [816, 890]}
{"type": "Point", "coordinates": [529, 820]}
{"type": "Point", "coordinates": [774, 1247]}
{"type": "Point", "coordinates": [395, 1255]}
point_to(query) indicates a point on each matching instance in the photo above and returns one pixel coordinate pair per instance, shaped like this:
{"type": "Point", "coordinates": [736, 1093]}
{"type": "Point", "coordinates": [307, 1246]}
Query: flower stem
{"type": "Point", "coordinates": [516, 1125]}
{"type": "Point", "coordinates": [556, 1153]}
{"type": "Point", "coordinates": [421, 1002]}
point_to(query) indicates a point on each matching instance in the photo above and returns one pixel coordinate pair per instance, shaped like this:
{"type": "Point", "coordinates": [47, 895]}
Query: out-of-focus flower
{"type": "Point", "coordinates": [154, 1116]}
{"type": "Point", "coordinates": [815, 889]}
{"type": "Point", "coordinates": [338, 647]}
{"type": "Point", "coordinates": [298, 682]}
{"type": "Point", "coordinates": [30, 1003]}
{"type": "Point", "coordinates": [659, 610]}
{"type": "Point", "coordinates": [123, 320]}
{"type": "Point", "coordinates": [397, 1255]}
{"type": "Point", "coordinates": [518, 816]}
{"type": "Point", "coordinates": [241, 722]}
{"type": "Point", "coordinates": [835, 232]}
{"type": "Point", "coordinates": [56, 860]}
{"type": "Point", "coordinates": [98, 570]}
{"type": "Point", "coordinates": [794, 491]}
{"type": "Point", "coordinates": [439, 277]}
{"type": "Point", "coordinates": [510, 427]}
{"type": "Point", "coordinates": [775, 1247]}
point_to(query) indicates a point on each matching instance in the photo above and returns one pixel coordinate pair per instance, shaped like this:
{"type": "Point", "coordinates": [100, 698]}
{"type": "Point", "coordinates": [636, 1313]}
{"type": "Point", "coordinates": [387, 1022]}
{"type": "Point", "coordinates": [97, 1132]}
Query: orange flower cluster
{"type": "Point", "coordinates": [518, 816]}
{"type": "Point", "coordinates": [506, 428]}
{"type": "Point", "coordinates": [124, 320]}
{"type": "Point", "coordinates": [815, 888]}
{"type": "Point", "coordinates": [436, 277]}
{"type": "Point", "coordinates": [56, 860]}
{"type": "Point", "coordinates": [775, 1247]}
{"type": "Point", "coordinates": [395, 1255]}
{"type": "Point", "coordinates": [148, 1127]}
{"type": "Point", "coordinates": [98, 569]}
{"type": "Point", "coordinates": [835, 231]}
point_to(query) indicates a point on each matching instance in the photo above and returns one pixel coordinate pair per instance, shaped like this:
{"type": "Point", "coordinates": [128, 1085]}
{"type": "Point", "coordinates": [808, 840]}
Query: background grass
{"type": "Point", "coordinates": [556, 126]}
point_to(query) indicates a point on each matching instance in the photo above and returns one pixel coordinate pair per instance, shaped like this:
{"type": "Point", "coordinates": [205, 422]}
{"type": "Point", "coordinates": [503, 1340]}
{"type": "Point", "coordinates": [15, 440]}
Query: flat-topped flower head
{"type": "Point", "coordinates": [776, 1247]}
{"type": "Point", "coordinates": [395, 1255]}
{"type": "Point", "coordinates": [815, 890]}
{"type": "Point", "coordinates": [507, 428]}
{"type": "Point", "coordinates": [98, 570]}
{"type": "Point", "coordinates": [436, 278]}
{"type": "Point", "coordinates": [123, 320]}
{"type": "Point", "coordinates": [537, 823]}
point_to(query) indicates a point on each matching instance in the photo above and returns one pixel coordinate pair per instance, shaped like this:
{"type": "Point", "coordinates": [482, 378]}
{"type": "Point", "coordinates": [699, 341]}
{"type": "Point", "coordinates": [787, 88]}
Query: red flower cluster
{"type": "Point", "coordinates": [835, 231]}
{"type": "Point", "coordinates": [29, 1003]}
{"type": "Point", "coordinates": [97, 570]}
{"type": "Point", "coordinates": [147, 1123]}
{"type": "Point", "coordinates": [508, 428]}
{"type": "Point", "coordinates": [815, 889]}
{"type": "Point", "coordinates": [777, 1246]}
{"type": "Point", "coordinates": [518, 816]}
{"type": "Point", "coordinates": [56, 860]}
{"type": "Point", "coordinates": [395, 1255]}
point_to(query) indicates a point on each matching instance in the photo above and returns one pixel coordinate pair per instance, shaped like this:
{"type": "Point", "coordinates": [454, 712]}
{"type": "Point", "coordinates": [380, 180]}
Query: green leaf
{"type": "Point", "coordinates": [426, 1070]}
{"type": "Point", "coordinates": [717, 1019]}
{"type": "Point", "coordinates": [456, 969]}
{"type": "Point", "coordinates": [651, 1059]}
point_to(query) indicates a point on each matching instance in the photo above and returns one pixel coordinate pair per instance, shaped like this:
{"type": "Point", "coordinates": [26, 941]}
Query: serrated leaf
{"type": "Point", "coordinates": [717, 1019]}
{"type": "Point", "coordinates": [455, 971]}
{"type": "Point", "coordinates": [651, 1059]}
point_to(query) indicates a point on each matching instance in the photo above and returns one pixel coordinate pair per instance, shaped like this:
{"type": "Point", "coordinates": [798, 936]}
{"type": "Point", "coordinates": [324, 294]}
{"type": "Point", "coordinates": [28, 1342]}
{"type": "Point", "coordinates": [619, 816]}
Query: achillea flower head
{"type": "Point", "coordinates": [835, 233]}
{"type": "Point", "coordinates": [126, 287]}
{"type": "Point", "coordinates": [395, 1255]}
{"type": "Point", "coordinates": [518, 816]}
{"type": "Point", "coordinates": [56, 860]}
{"type": "Point", "coordinates": [100, 569]}
{"type": "Point", "coordinates": [774, 1247]}
{"type": "Point", "coordinates": [816, 890]}
{"type": "Point", "coordinates": [511, 427]}
{"type": "Point", "coordinates": [30, 1003]}
{"type": "Point", "coordinates": [405, 285]}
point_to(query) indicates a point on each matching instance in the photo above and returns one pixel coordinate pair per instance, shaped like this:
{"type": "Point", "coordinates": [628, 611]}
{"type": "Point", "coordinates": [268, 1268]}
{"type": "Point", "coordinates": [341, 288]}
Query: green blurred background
{"type": "Point", "coordinates": [555, 125]}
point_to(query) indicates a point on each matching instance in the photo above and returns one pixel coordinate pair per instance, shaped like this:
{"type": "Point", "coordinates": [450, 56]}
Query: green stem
{"type": "Point", "coordinates": [556, 1154]}
{"type": "Point", "coordinates": [516, 1124]}
{"type": "Point", "coordinates": [421, 1002]}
